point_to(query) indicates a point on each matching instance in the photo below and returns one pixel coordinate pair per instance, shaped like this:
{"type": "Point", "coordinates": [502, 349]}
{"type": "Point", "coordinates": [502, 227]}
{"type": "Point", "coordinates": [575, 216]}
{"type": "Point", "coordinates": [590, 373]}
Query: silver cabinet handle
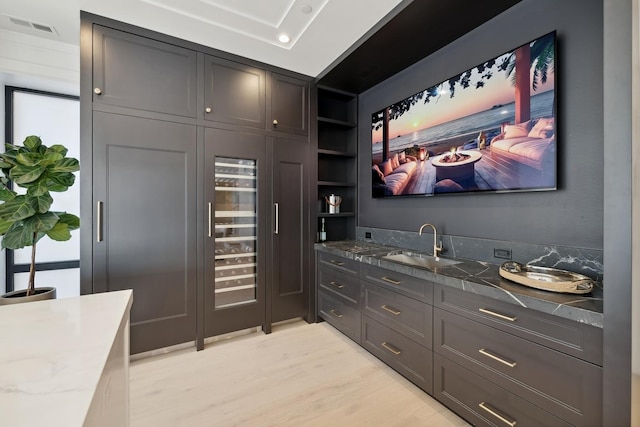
{"type": "Point", "coordinates": [391, 310]}
{"type": "Point", "coordinates": [97, 91]}
{"type": "Point", "coordinates": [99, 222]}
{"type": "Point", "coordinates": [338, 263]}
{"type": "Point", "coordinates": [508, 422]}
{"type": "Point", "coordinates": [207, 110]}
{"type": "Point", "coordinates": [393, 282]}
{"type": "Point", "coordinates": [497, 358]}
{"type": "Point", "coordinates": [275, 122]}
{"type": "Point", "coordinates": [337, 285]}
{"type": "Point", "coordinates": [277, 208]}
{"type": "Point", "coordinates": [209, 220]}
{"type": "Point", "coordinates": [498, 315]}
{"type": "Point", "coordinates": [391, 348]}
{"type": "Point", "coordinates": [335, 313]}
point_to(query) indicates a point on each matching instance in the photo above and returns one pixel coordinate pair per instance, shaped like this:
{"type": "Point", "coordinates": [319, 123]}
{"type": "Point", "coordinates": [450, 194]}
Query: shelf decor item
{"type": "Point", "coordinates": [25, 216]}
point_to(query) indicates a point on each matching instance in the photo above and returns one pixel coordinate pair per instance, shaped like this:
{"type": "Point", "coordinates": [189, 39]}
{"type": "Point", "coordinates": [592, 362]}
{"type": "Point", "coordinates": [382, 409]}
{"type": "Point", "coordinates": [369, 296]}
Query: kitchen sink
{"type": "Point", "coordinates": [420, 260]}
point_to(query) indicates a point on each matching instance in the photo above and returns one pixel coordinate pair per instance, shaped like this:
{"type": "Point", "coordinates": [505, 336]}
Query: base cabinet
{"type": "Point", "coordinates": [492, 363]}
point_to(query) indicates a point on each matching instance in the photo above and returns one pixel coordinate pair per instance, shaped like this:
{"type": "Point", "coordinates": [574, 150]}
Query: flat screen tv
{"type": "Point", "coordinates": [491, 128]}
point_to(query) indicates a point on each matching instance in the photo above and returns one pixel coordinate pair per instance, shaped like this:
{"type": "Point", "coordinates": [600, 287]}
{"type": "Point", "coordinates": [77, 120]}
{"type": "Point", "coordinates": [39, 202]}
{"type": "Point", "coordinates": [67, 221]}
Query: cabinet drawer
{"type": "Point", "coordinates": [567, 387]}
{"type": "Point", "coordinates": [343, 284]}
{"type": "Point", "coordinates": [408, 285]}
{"type": "Point", "coordinates": [339, 314]}
{"type": "Point", "coordinates": [410, 317]}
{"type": "Point", "coordinates": [406, 356]}
{"type": "Point", "coordinates": [345, 265]}
{"type": "Point", "coordinates": [567, 336]}
{"type": "Point", "coordinates": [483, 403]}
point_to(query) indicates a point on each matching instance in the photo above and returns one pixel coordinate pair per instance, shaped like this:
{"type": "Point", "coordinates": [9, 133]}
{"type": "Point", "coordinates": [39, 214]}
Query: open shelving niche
{"type": "Point", "coordinates": [337, 160]}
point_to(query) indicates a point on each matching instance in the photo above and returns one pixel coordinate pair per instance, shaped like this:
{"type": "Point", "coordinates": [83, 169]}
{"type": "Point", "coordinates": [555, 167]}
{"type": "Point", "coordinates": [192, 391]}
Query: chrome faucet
{"type": "Point", "coordinates": [436, 249]}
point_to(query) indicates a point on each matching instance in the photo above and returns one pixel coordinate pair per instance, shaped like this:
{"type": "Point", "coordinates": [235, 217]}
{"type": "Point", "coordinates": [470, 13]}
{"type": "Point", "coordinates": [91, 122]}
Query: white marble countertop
{"type": "Point", "coordinates": [52, 354]}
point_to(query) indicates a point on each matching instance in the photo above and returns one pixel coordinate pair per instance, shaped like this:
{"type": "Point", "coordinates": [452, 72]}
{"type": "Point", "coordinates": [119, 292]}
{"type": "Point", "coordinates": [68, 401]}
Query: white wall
{"type": "Point", "coordinates": [35, 63]}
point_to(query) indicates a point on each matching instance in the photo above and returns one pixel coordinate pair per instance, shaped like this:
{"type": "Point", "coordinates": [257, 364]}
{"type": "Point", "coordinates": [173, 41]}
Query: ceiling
{"type": "Point", "coordinates": [341, 42]}
{"type": "Point", "coordinates": [319, 31]}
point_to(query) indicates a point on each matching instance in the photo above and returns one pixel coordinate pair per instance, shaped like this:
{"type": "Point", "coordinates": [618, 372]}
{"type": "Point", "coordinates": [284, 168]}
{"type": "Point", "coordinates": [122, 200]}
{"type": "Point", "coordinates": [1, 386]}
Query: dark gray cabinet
{"type": "Point", "coordinates": [234, 93]}
{"type": "Point", "coordinates": [288, 109]}
{"type": "Point", "coordinates": [140, 73]}
{"type": "Point", "coordinates": [290, 234]}
{"type": "Point", "coordinates": [144, 223]}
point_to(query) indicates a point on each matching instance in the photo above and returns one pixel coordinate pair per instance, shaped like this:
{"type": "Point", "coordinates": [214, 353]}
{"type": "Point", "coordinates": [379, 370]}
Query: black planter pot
{"type": "Point", "coordinates": [18, 297]}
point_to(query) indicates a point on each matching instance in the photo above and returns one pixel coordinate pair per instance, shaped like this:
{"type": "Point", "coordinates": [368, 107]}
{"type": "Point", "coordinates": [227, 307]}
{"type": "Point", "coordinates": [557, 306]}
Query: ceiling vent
{"type": "Point", "coordinates": [33, 25]}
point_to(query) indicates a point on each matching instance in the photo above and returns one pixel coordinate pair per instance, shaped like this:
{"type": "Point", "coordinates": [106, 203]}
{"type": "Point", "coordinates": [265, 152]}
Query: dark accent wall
{"type": "Point", "coordinates": [572, 215]}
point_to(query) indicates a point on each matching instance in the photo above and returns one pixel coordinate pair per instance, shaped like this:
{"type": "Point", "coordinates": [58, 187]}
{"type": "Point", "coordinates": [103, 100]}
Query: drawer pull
{"type": "Point", "coordinates": [499, 359]}
{"type": "Point", "coordinates": [390, 309]}
{"type": "Point", "coordinates": [335, 313]}
{"type": "Point", "coordinates": [338, 263]}
{"type": "Point", "coordinates": [393, 282]}
{"type": "Point", "coordinates": [391, 348]}
{"type": "Point", "coordinates": [498, 315]}
{"type": "Point", "coordinates": [508, 422]}
{"type": "Point", "coordinates": [337, 285]}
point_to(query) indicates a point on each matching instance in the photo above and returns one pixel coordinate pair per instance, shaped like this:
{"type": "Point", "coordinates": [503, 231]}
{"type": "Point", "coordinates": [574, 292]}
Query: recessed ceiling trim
{"type": "Point", "coordinates": [293, 21]}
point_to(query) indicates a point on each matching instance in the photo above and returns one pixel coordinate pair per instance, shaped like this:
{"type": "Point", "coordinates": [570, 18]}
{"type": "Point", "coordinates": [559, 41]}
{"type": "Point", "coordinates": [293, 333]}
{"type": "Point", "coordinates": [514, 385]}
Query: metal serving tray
{"type": "Point", "coordinates": [545, 278]}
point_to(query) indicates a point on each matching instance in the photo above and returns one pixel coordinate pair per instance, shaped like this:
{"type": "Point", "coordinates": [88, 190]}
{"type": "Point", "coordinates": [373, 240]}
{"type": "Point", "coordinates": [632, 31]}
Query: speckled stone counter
{"type": "Point", "coordinates": [479, 278]}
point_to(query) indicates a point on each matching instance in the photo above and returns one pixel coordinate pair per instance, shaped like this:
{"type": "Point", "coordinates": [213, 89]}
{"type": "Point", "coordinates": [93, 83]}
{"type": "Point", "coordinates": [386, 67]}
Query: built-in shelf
{"type": "Point", "coordinates": [336, 122]}
{"type": "Point", "coordinates": [336, 184]}
{"type": "Point", "coordinates": [338, 215]}
{"type": "Point", "coordinates": [335, 153]}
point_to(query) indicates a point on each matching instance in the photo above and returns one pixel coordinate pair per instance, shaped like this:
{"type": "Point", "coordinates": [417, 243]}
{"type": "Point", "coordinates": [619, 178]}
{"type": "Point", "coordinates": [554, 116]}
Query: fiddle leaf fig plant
{"type": "Point", "coordinates": [25, 217]}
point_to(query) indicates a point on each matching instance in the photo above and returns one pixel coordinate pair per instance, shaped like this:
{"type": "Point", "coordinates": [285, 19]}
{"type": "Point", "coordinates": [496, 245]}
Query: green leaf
{"type": "Point", "coordinates": [41, 223]}
{"type": "Point", "coordinates": [17, 237]}
{"type": "Point", "coordinates": [4, 226]}
{"type": "Point", "coordinates": [68, 164]}
{"type": "Point", "coordinates": [61, 149]}
{"type": "Point", "coordinates": [72, 221]}
{"type": "Point", "coordinates": [28, 159]}
{"type": "Point", "coordinates": [51, 158]}
{"type": "Point", "coordinates": [38, 188]}
{"type": "Point", "coordinates": [41, 203]}
{"type": "Point", "coordinates": [6, 194]}
{"type": "Point", "coordinates": [25, 174]}
{"type": "Point", "coordinates": [60, 181]}
{"type": "Point", "coordinates": [60, 232]}
{"type": "Point", "coordinates": [16, 209]}
{"type": "Point", "coordinates": [32, 142]}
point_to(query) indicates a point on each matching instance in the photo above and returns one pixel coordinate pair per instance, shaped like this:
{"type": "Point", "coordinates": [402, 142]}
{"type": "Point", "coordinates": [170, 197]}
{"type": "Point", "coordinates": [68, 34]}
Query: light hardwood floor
{"type": "Point", "coordinates": [300, 375]}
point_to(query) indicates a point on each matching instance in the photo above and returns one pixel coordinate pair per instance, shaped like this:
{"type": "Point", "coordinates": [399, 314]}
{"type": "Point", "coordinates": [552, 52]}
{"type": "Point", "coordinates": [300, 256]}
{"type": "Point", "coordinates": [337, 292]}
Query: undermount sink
{"type": "Point", "coordinates": [420, 260]}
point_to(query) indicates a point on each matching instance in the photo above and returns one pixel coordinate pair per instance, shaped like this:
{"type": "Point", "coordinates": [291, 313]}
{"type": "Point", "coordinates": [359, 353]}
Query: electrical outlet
{"type": "Point", "coordinates": [367, 234]}
{"type": "Point", "coordinates": [502, 253]}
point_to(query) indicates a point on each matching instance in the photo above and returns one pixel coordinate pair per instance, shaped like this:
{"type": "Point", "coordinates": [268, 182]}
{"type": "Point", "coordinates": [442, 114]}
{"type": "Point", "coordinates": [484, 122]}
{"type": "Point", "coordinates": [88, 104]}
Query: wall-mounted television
{"type": "Point", "coordinates": [491, 128]}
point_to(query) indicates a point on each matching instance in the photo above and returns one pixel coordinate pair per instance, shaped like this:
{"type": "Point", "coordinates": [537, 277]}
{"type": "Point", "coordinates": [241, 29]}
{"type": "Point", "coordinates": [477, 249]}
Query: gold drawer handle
{"type": "Point", "coordinates": [393, 282]}
{"type": "Point", "coordinates": [337, 285]}
{"type": "Point", "coordinates": [498, 315]}
{"type": "Point", "coordinates": [390, 309]}
{"type": "Point", "coordinates": [499, 359]}
{"type": "Point", "coordinates": [335, 313]}
{"type": "Point", "coordinates": [391, 348]}
{"type": "Point", "coordinates": [338, 263]}
{"type": "Point", "coordinates": [508, 422]}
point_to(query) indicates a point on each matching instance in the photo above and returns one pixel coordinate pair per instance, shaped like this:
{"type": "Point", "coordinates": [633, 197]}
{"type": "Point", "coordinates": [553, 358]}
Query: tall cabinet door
{"type": "Point", "coordinates": [290, 242]}
{"type": "Point", "coordinates": [235, 186]}
{"type": "Point", "coordinates": [145, 224]}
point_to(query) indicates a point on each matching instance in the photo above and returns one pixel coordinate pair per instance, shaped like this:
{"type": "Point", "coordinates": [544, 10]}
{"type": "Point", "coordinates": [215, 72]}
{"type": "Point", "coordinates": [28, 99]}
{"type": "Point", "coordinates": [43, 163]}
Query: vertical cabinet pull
{"type": "Point", "coordinates": [99, 222]}
{"type": "Point", "coordinates": [277, 208]}
{"type": "Point", "coordinates": [209, 220]}
{"type": "Point", "coordinates": [505, 420]}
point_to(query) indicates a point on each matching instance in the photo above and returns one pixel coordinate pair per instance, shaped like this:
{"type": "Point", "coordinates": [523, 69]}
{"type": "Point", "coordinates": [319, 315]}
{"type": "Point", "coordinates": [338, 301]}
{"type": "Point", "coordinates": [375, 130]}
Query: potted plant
{"type": "Point", "coordinates": [25, 217]}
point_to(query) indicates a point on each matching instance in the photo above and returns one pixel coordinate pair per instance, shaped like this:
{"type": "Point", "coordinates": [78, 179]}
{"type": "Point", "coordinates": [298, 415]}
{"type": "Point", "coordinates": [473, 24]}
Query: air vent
{"type": "Point", "coordinates": [33, 25]}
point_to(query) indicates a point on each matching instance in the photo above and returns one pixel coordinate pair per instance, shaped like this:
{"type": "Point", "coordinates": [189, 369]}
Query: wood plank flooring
{"type": "Point", "coordinates": [300, 375]}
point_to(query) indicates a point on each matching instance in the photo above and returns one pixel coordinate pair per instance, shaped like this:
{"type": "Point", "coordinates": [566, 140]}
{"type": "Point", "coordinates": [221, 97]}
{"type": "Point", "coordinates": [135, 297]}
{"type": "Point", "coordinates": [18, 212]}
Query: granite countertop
{"type": "Point", "coordinates": [53, 354]}
{"type": "Point", "coordinates": [480, 278]}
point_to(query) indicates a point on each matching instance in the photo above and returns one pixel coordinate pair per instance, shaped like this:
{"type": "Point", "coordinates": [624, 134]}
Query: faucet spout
{"type": "Point", "coordinates": [436, 248]}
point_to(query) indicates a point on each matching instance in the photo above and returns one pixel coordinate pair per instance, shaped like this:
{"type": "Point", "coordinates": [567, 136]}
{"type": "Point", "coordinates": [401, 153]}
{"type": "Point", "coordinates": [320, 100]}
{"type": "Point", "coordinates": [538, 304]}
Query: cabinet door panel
{"type": "Point", "coordinates": [144, 201]}
{"type": "Point", "coordinates": [290, 287]}
{"type": "Point", "coordinates": [234, 93]}
{"type": "Point", "coordinates": [136, 72]}
{"type": "Point", "coordinates": [289, 105]}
